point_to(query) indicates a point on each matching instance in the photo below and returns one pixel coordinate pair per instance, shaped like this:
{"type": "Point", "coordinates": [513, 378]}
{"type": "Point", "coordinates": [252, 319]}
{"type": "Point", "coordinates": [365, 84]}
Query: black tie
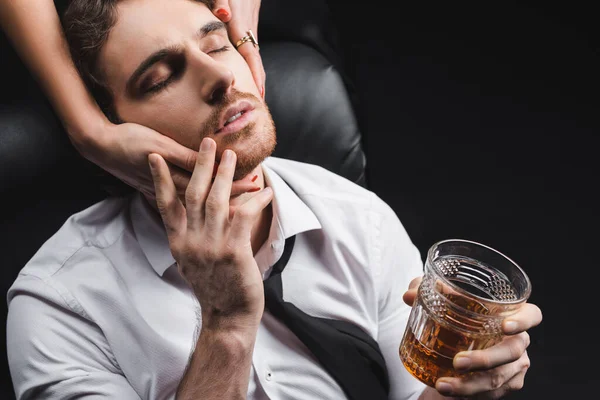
{"type": "Point", "coordinates": [344, 350]}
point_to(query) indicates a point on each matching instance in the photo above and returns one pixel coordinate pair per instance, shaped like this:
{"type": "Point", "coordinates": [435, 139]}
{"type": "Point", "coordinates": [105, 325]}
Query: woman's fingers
{"type": "Point", "coordinates": [254, 61]}
{"type": "Point", "coordinates": [176, 153]}
{"type": "Point", "coordinates": [244, 185]}
{"type": "Point", "coordinates": [199, 185]}
{"type": "Point", "coordinates": [244, 16]}
{"type": "Point", "coordinates": [171, 210]}
{"type": "Point", "coordinates": [217, 202]}
{"type": "Point", "coordinates": [222, 10]}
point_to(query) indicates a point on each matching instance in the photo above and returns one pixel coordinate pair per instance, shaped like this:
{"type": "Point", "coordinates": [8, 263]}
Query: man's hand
{"type": "Point", "coordinates": [496, 371]}
{"type": "Point", "coordinates": [241, 15]}
{"type": "Point", "coordinates": [210, 243]}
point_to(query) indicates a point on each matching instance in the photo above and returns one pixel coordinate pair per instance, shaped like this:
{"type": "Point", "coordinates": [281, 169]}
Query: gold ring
{"type": "Point", "coordinates": [249, 38]}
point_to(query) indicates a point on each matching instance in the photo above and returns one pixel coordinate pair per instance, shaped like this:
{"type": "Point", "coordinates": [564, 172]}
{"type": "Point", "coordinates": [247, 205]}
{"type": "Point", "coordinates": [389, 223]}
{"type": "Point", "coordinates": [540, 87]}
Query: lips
{"type": "Point", "coordinates": [233, 113]}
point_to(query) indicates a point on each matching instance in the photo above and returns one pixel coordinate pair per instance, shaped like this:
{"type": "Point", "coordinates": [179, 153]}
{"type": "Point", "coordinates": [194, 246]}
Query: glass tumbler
{"type": "Point", "coordinates": [467, 290]}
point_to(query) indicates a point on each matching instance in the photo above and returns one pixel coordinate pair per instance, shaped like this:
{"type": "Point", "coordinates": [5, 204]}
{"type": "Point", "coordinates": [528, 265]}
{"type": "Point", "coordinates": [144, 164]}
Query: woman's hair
{"type": "Point", "coordinates": [87, 24]}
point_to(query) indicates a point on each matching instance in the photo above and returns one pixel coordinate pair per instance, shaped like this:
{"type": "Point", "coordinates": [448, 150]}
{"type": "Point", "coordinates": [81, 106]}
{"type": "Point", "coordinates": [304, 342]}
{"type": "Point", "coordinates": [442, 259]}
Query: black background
{"type": "Point", "coordinates": [480, 122]}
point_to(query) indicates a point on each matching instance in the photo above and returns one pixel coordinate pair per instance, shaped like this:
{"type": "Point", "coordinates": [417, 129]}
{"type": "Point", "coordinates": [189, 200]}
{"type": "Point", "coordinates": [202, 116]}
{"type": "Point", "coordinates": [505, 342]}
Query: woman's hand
{"type": "Point", "coordinates": [123, 150]}
{"type": "Point", "coordinates": [241, 15]}
{"type": "Point", "coordinates": [496, 371]}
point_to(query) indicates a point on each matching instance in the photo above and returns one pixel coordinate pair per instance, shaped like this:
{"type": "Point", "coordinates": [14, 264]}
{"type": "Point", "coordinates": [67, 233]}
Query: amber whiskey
{"type": "Point", "coordinates": [431, 340]}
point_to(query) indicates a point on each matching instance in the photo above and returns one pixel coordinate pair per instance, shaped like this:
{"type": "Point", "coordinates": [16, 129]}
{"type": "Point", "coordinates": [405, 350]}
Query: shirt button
{"type": "Point", "coordinates": [268, 375]}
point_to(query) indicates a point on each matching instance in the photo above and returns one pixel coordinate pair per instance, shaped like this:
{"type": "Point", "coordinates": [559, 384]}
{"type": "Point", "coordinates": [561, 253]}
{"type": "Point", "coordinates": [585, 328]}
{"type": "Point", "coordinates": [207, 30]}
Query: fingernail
{"type": "Point", "coordinates": [462, 363]}
{"type": "Point", "coordinates": [443, 387]}
{"type": "Point", "coordinates": [510, 326]}
{"type": "Point", "coordinates": [262, 92]}
{"type": "Point", "coordinates": [228, 156]}
{"type": "Point", "coordinates": [256, 189]}
{"type": "Point", "coordinates": [255, 177]}
{"type": "Point", "coordinates": [205, 145]}
{"type": "Point", "coordinates": [222, 13]}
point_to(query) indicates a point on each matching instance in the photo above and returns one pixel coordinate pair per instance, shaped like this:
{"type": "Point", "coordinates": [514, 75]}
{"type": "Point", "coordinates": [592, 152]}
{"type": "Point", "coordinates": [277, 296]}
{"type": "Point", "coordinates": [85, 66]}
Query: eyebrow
{"type": "Point", "coordinates": [161, 54]}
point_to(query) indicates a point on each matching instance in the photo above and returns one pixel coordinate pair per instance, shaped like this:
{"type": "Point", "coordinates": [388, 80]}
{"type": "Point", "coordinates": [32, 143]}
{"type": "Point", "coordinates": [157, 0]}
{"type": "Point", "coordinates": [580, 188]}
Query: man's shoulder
{"type": "Point", "coordinates": [94, 228]}
{"type": "Point", "coordinates": [311, 181]}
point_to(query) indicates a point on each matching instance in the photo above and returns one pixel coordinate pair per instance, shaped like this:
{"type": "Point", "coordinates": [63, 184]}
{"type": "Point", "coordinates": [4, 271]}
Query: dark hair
{"type": "Point", "coordinates": [87, 24]}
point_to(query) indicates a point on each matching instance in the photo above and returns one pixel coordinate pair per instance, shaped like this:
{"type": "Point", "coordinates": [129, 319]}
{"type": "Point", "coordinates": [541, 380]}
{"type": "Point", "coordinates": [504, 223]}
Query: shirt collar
{"type": "Point", "coordinates": [290, 213]}
{"type": "Point", "coordinates": [151, 234]}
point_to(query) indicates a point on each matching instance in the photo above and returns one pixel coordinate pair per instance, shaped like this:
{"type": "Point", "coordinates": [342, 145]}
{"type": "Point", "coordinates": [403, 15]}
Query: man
{"type": "Point", "coordinates": [144, 297]}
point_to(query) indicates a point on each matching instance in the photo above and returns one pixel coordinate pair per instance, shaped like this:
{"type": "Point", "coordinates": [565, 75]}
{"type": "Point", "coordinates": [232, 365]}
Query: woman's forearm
{"type": "Point", "coordinates": [34, 28]}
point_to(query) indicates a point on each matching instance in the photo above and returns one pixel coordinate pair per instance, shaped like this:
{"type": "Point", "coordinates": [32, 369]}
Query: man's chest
{"type": "Point", "coordinates": [154, 355]}
{"type": "Point", "coordinates": [152, 323]}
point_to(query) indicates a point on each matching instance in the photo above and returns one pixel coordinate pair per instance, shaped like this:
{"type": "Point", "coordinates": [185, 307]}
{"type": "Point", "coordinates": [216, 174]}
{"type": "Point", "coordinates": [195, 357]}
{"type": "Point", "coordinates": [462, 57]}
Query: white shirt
{"type": "Point", "coordinates": [101, 309]}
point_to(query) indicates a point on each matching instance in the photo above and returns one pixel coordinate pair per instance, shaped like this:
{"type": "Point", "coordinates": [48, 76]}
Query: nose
{"type": "Point", "coordinates": [215, 79]}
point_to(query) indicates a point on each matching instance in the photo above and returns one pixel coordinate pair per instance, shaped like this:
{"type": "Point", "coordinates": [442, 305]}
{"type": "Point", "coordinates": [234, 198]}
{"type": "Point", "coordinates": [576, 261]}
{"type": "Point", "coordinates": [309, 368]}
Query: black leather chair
{"type": "Point", "coordinates": [43, 180]}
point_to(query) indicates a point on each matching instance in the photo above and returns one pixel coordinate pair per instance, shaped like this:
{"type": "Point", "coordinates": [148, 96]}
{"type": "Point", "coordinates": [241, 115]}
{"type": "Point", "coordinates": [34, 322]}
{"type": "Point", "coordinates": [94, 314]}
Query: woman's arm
{"type": "Point", "coordinates": [35, 31]}
{"type": "Point", "coordinates": [241, 15]}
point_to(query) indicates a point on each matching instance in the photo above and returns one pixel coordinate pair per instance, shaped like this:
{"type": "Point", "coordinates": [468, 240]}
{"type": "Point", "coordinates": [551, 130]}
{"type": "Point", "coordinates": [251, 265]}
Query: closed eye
{"type": "Point", "coordinates": [157, 87]}
{"type": "Point", "coordinates": [176, 66]}
{"type": "Point", "coordinates": [220, 50]}
{"type": "Point", "coordinates": [177, 71]}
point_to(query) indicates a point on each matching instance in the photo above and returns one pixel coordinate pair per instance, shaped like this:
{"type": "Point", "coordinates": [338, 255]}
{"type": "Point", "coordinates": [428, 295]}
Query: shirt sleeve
{"type": "Point", "coordinates": [54, 352]}
{"type": "Point", "coordinates": [398, 261]}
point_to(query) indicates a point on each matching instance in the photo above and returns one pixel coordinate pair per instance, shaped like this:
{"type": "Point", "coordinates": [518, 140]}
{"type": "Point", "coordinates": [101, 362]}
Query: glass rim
{"type": "Point", "coordinates": [521, 299]}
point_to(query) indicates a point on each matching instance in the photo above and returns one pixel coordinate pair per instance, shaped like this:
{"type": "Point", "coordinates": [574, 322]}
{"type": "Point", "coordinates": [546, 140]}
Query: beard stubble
{"type": "Point", "coordinates": [260, 138]}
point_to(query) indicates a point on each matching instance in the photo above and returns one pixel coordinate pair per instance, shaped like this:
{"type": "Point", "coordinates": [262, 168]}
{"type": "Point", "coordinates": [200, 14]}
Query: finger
{"type": "Point", "coordinates": [410, 296]}
{"type": "Point", "coordinates": [528, 316]}
{"type": "Point", "coordinates": [176, 154]}
{"type": "Point", "coordinates": [254, 61]}
{"type": "Point", "coordinates": [217, 202]}
{"type": "Point", "coordinates": [510, 349]}
{"type": "Point", "coordinates": [246, 184]}
{"type": "Point", "coordinates": [181, 178]}
{"type": "Point", "coordinates": [199, 186]}
{"type": "Point", "coordinates": [241, 187]}
{"type": "Point", "coordinates": [488, 384]}
{"type": "Point", "coordinates": [168, 204]}
{"type": "Point", "coordinates": [145, 186]}
{"type": "Point", "coordinates": [245, 216]}
{"type": "Point", "coordinates": [414, 284]}
{"type": "Point", "coordinates": [222, 11]}
{"type": "Point", "coordinates": [516, 383]}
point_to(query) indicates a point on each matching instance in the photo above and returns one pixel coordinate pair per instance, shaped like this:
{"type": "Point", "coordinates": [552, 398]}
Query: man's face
{"type": "Point", "coordinates": [172, 68]}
